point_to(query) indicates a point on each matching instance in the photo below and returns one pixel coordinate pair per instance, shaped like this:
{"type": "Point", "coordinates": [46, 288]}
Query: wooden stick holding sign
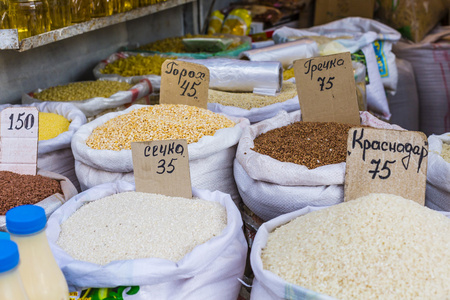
{"type": "Point", "coordinates": [162, 167]}
{"type": "Point", "coordinates": [386, 161]}
{"type": "Point", "coordinates": [18, 139]}
{"type": "Point", "coordinates": [184, 83]}
{"type": "Point", "coordinates": [326, 89]}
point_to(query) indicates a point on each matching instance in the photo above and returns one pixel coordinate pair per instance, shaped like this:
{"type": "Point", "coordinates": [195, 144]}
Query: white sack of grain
{"type": "Point", "coordinates": [55, 155]}
{"type": "Point", "coordinates": [437, 194]}
{"type": "Point", "coordinates": [373, 38]}
{"type": "Point", "coordinates": [269, 286]}
{"type": "Point", "coordinates": [210, 271]}
{"type": "Point", "coordinates": [257, 114]}
{"type": "Point", "coordinates": [271, 188]}
{"type": "Point", "coordinates": [210, 159]}
{"type": "Point", "coordinates": [53, 202]}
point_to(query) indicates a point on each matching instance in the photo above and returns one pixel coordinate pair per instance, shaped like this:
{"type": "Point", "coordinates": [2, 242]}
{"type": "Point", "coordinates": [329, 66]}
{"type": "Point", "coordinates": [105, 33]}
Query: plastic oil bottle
{"type": "Point", "coordinates": [29, 17]}
{"type": "Point", "coordinates": [11, 286]}
{"type": "Point", "coordinates": [41, 275]}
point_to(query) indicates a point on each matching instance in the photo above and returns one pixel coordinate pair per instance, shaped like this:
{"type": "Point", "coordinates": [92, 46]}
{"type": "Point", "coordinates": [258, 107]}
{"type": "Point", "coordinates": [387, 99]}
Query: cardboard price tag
{"type": "Point", "coordinates": [19, 130]}
{"type": "Point", "coordinates": [326, 89]}
{"type": "Point", "coordinates": [386, 161]}
{"type": "Point", "coordinates": [162, 167]}
{"type": "Point", "coordinates": [184, 83]}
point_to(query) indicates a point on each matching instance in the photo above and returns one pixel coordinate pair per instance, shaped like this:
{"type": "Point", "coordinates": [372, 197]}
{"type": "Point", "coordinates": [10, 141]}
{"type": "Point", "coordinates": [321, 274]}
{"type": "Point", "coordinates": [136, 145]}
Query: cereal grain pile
{"type": "Point", "coordinates": [51, 125]}
{"type": "Point", "coordinates": [17, 189]}
{"type": "Point", "coordinates": [79, 91]}
{"type": "Point", "coordinates": [379, 246]}
{"type": "Point", "coordinates": [312, 144]}
{"type": "Point", "coordinates": [140, 225]}
{"type": "Point", "coordinates": [250, 100]}
{"type": "Point", "coordinates": [157, 122]}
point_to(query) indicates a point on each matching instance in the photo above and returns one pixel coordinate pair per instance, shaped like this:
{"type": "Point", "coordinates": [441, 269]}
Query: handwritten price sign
{"type": "Point", "coordinates": [386, 161]}
{"type": "Point", "coordinates": [162, 167]}
{"type": "Point", "coordinates": [19, 138]}
{"type": "Point", "coordinates": [326, 89]}
{"type": "Point", "coordinates": [184, 83]}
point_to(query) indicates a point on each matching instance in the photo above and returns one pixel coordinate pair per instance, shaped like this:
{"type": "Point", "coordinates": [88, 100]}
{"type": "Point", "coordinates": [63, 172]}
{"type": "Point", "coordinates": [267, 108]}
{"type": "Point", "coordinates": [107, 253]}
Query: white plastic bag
{"type": "Point", "coordinates": [373, 38]}
{"type": "Point", "coordinates": [210, 271]}
{"type": "Point", "coordinates": [431, 63]}
{"type": "Point", "coordinates": [55, 154]}
{"type": "Point", "coordinates": [94, 106]}
{"type": "Point", "coordinates": [155, 80]}
{"type": "Point", "coordinates": [285, 53]}
{"type": "Point", "coordinates": [437, 194]}
{"type": "Point", "coordinates": [267, 285]}
{"type": "Point", "coordinates": [51, 203]}
{"type": "Point", "coordinates": [256, 114]}
{"type": "Point", "coordinates": [271, 188]}
{"type": "Point", "coordinates": [210, 159]}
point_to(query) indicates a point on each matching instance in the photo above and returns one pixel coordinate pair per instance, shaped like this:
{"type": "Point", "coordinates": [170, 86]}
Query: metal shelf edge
{"type": "Point", "coordinates": [9, 39]}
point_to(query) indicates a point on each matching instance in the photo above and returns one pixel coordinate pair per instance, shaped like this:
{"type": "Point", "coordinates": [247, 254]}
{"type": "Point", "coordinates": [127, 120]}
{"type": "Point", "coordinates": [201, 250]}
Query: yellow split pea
{"type": "Point", "coordinates": [157, 122]}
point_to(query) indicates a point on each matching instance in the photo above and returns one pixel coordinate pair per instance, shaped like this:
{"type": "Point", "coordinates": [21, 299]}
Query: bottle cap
{"type": "Point", "coordinates": [9, 255]}
{"type": "Point", "coordinates": [4, 236]}
{"type": "Point", "coordinates": [25, 219]}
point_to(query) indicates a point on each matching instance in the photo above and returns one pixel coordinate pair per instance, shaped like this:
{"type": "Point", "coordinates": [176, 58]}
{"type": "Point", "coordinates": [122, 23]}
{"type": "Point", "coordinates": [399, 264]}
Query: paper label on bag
{"type": "Point", "coordinates": [162, 167]}
{"type": "Point", "coordinates": [386, 161]}
{"type": "Point", "coordinates": [19, 139]}
{"type": "Point", "coordinates": [326, 89]}
{"type": "Point", "coordinates": [184, 83]}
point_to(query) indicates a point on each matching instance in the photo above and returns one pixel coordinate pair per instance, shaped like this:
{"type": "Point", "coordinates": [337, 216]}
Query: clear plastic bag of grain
{"type": "Point", "coordinates": [93, 97]}
{"type": "Point", "coordinates": [132, 67]}
{"type": "Point", "coordinates": [167, 247]}
{"type": "Point", "coordinates": [380, 246]}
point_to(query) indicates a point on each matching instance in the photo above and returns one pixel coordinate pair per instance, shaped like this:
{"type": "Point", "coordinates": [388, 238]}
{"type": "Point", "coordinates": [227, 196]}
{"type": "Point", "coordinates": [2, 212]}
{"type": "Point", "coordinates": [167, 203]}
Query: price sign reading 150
{"type": "Point", "coordinates": [20, 121]}
{"type": "Point", "coordinates": [188, 80]}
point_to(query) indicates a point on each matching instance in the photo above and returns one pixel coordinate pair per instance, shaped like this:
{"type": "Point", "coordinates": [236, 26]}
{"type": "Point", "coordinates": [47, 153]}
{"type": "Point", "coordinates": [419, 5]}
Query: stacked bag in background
{"type": "Point", "coordinates": [430, 60]}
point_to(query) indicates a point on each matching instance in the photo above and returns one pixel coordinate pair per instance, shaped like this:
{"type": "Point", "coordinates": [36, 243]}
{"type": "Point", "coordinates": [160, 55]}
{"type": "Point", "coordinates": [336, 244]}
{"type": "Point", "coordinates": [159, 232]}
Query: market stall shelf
{"type": "Point", "coordinates": [9, 38]}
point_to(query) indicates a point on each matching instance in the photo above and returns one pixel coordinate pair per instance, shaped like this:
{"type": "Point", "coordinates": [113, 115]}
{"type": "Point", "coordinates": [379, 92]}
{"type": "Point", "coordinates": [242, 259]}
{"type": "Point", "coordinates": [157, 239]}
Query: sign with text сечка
{"type": "Point", "coordinates": [386, 161]}
{"type": "Point", "coordinates": [162, 167]}
{"type": "Point", "coordinates": [18, 139]}
{"type": "Point", "coordinates": [326, 89]}
{"type": "Point", "coordinates": [184, 83]}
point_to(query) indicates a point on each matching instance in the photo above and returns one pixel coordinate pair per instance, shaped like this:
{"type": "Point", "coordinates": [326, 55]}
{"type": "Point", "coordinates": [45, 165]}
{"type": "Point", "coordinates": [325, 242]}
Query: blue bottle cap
{"type": "Point", "coordinates": [4, 236]}
{"type": "Point", "coordinates": [25, 219]}
{"type": "Point", "coordinates": [9, 255]}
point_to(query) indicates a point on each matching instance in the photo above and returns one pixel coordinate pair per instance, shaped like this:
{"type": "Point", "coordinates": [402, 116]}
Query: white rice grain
{"type": "Point", "coordinates": [376, 247]}
{"type": "Point", "coordinates": [140, 225]}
